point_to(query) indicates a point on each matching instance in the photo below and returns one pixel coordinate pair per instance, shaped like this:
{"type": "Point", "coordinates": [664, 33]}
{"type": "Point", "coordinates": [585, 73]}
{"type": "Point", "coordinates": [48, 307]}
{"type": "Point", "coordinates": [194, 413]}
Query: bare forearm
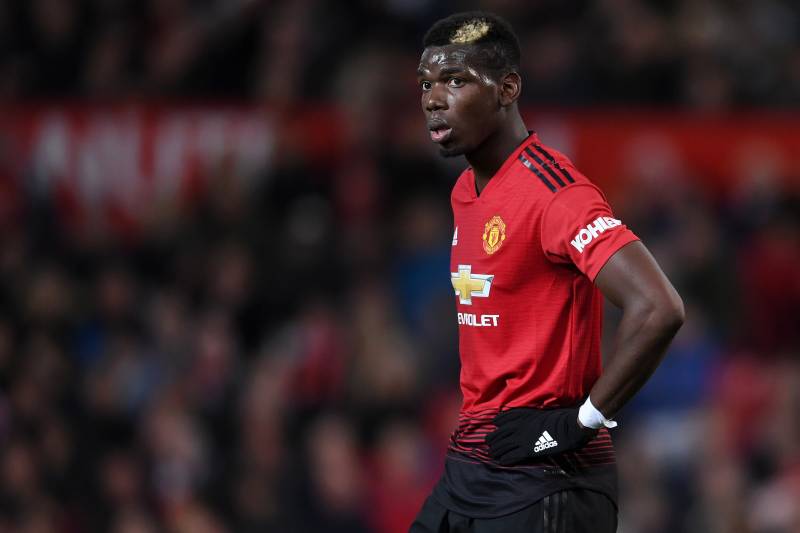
{"type": "Point", "coordinates": [652, 312]}
{"type": "Point", "coordinates": [641, 340]}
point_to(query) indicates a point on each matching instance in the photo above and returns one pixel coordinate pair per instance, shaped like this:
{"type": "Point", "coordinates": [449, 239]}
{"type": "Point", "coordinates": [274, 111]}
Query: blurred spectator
{"type": "Point", "coordinates": [705, 54]}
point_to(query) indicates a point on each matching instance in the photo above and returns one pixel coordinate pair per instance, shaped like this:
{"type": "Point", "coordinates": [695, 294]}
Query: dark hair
{"type": "Point", "coordinates": [496, 43]}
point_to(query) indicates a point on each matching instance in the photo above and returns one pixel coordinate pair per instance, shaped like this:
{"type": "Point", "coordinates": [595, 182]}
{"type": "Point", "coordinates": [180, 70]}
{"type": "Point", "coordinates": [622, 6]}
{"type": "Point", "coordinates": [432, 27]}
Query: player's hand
{"type": "Point", "coordinates": [525, 433]}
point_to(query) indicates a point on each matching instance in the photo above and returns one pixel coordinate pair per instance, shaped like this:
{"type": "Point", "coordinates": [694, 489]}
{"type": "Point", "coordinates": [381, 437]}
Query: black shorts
{"type": "Point", "coordinates": [568, 511]}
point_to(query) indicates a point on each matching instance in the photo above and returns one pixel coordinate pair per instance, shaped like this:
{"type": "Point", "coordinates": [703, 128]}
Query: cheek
{"type": "Point", "coordinates": [480, 107]}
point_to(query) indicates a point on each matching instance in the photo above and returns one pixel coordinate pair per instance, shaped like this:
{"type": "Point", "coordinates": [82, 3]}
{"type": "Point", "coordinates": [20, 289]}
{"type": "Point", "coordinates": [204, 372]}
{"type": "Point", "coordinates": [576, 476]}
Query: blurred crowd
{"type": "Point", "coordinates": [283, 357]}
{"type": "Point", "coordinates": [707, 54]}
{"type": "Point", "coordinates": [281, 354]}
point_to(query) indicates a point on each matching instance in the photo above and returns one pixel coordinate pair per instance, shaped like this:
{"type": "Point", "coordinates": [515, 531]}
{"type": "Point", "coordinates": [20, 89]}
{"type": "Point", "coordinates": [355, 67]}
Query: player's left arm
{"type": "Point", "coordinates": [652, 313]}
{"type": "Point", "coordinates": [578, 229]}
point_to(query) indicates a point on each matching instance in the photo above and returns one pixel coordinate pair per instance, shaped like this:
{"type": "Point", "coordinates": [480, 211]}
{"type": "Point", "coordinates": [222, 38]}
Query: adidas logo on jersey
{"type": "Point", "coordinates": [545, 442]}
{"type": "Point", "coordinates": [587, 234]}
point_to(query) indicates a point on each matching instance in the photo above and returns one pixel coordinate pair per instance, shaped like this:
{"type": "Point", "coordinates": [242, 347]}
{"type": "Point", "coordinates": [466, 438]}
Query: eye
{"type": "Point", "coordinates": [425, 85]}
{"type": "Point", "coordinates": [455, 82]}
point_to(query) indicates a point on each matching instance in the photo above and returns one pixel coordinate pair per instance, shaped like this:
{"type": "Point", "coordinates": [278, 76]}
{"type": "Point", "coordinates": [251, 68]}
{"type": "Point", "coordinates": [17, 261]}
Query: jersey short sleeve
{"type": "Point", "coordinates": [578, 227]}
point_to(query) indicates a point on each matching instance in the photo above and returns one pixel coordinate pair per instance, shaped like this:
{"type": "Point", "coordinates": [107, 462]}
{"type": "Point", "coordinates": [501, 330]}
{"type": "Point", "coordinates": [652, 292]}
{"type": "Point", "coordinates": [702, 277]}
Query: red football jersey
{"type": "Point", "coordinates": [525, 254]}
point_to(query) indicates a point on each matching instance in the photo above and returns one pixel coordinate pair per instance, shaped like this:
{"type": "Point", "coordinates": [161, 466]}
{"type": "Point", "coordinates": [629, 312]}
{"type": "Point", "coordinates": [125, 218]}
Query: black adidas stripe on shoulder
{"type": "Point", "coordinates": [532, 167]}
{"type": "Point", "coordinates": [542, 163]}
{"type": "Point", "coordinates": [554, 163]}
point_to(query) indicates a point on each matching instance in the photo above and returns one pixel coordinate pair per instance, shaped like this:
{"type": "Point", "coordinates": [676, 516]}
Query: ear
{"type": "Point", "coordinates": [510, 88]}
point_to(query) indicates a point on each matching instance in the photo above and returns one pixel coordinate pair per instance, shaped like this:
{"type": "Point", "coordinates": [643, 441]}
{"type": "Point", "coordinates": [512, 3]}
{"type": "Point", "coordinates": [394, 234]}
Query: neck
{"type": "Point", "coordinates": [487, 159]}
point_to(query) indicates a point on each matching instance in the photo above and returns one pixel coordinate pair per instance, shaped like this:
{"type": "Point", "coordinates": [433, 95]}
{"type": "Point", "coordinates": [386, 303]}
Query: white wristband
{"type": "Point", "coordinates": [590, 417]}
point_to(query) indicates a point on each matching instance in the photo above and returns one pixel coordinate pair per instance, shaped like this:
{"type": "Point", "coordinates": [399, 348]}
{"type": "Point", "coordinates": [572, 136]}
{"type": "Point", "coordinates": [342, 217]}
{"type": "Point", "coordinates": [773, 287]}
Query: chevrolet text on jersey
{"type": "Point", "coordinates": [587, 234]}
{"type": "Point", "coordinates": [468, 319]}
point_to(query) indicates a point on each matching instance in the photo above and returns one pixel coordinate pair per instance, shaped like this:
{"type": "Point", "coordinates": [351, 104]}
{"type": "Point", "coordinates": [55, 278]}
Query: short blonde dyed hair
{"type": "Point", "coordinates": [470, 32]}
{"type": "Point", "coordinates": [498, 44]}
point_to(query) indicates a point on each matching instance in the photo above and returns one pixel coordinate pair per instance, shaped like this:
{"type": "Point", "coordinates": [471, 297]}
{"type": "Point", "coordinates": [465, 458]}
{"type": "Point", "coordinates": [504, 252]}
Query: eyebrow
{"type": "Point", "coordinates": [451, 70]}
{"type": "Point", "coordinates": [445, 71]}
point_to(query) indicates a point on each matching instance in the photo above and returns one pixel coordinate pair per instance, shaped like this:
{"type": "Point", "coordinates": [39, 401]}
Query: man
{"type": "Point", "coordinates": [535, 247]}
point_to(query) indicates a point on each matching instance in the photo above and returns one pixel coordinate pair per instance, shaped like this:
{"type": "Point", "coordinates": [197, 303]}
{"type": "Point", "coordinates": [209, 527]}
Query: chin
{"type": "Point", "coordinates": [451, 151]}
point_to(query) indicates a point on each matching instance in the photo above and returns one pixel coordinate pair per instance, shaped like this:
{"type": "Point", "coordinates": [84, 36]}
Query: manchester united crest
{"type": "Point", "coordinates": [494, 233]}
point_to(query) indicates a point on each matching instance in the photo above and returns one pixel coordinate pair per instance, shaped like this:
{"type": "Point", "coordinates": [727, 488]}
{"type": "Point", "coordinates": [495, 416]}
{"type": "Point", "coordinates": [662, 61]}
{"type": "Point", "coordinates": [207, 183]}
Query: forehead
{"type": "Point", "coordinates": [451, 55]}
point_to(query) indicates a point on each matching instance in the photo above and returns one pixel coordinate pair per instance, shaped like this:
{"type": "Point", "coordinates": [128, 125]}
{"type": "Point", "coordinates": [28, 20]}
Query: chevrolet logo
{"type": "Point", "coordinates": [468, 285]}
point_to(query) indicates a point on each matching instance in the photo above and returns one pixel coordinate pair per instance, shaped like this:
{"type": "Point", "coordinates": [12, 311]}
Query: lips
{"type": "Point", "coordinates": [441, 135]}
{"type": "Point", "coordinates": [440, 131]}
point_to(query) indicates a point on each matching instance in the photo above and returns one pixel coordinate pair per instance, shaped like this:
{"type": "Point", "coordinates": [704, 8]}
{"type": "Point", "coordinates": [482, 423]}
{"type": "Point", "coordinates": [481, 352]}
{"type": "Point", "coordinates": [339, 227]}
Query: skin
{"type": "Point", "coordinates": [652, 313]}
{"type": "Point", "coordinates": [481, 108]}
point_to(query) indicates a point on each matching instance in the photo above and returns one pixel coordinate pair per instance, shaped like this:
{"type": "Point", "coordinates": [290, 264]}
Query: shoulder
{"type": "Point", "coordinates": [549, 175]}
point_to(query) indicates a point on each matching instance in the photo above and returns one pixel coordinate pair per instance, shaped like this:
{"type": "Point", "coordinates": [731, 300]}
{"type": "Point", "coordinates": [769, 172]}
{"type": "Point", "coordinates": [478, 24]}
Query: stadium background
{"type": "Point", "coordinates": [224, 240]}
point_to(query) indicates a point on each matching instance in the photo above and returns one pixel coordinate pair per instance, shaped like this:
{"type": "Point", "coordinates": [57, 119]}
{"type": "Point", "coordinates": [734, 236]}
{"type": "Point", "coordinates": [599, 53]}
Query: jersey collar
{"type": "Point", "coordinates": [532, 138]}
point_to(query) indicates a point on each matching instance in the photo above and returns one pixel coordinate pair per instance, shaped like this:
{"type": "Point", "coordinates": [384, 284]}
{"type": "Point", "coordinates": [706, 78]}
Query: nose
{"type": "Point", "coordinates": [437, 99]}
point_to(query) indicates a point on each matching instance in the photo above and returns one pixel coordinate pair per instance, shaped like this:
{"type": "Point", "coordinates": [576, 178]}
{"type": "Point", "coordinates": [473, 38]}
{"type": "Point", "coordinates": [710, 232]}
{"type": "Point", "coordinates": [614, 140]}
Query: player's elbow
{"type": "Point", "coordinates": [661, 310]}
{"type": "Point", "coordinates": [669, 313]}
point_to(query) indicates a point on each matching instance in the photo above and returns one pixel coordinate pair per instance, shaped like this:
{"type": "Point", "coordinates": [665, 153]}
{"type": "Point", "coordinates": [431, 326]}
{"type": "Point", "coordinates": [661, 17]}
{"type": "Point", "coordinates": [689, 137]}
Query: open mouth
{"type": "Point", "coordinates": [440, 134]}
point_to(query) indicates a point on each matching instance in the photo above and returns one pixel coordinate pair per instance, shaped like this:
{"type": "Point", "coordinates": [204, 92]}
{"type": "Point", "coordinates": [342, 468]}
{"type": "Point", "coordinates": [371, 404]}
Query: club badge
{"type": "Point", "coordinates": [494, 233]}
